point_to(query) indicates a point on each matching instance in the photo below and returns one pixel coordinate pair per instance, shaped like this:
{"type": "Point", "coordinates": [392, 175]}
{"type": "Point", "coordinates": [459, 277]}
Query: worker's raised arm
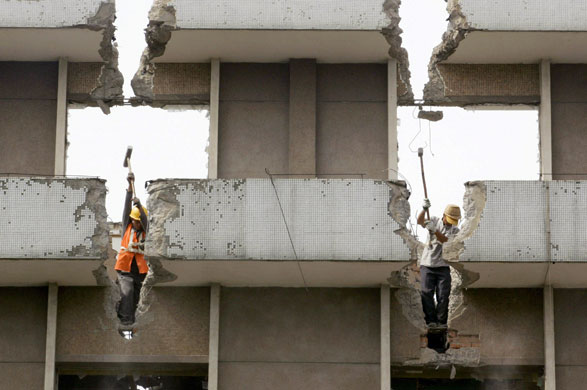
{"type": "Point", "coordinates": [127, 201]}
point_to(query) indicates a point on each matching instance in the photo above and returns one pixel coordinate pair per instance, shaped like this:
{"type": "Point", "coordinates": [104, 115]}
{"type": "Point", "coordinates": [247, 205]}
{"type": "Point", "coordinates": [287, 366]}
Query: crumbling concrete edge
{"type": "Point", "coordinates": [158, 32]}
{"type": "Point", "coordinates": [392, 34]}
{"type": "Point", "coordinates": [458, 29]}
{"type": "Point", "coordinates": [406, 280]}
{"type": "Point", "coordinates": [399, 210]}
{"type": "Point", "coordinates": [108, 89]}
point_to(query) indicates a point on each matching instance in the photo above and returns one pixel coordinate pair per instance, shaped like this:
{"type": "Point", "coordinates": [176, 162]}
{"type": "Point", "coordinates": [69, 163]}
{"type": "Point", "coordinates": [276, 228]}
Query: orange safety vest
{"type": "Point", "coordinates": [126, 254]}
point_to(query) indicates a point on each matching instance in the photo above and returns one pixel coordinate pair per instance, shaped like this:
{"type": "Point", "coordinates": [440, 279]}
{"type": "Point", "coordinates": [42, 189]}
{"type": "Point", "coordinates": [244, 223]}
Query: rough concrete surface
{"type": "Point", "coordinates": [178, 325]}
{"type": "Point", "coordinates": [72, 210]}
{"type": "Point", "coordinates": [458, 28]}
{"type": "Point", "coordinates": [162, 22]}
{"type": "Point", "coordinates": [392, 34]}
{"type": "Point", "coordinates": [108, 90]}
{"type": "Point", "coordinates": [242, 219]}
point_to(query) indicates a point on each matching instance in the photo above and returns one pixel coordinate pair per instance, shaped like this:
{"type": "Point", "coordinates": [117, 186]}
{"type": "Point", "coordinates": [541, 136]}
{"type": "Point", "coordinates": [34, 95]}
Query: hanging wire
{"type": "Point", "coordinates": [287, 228]}
{"type": "Point", "coordinates": [430, 138]}
{"type": "Point", "coordinates": [416, 136]}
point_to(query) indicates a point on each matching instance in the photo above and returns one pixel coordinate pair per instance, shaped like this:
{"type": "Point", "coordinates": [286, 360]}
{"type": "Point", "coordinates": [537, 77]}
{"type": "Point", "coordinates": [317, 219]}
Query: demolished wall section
{"type": "Point", "coordinates": [70, 217]}
{"type": "Point", "coordinates": [162, 22]}
{"type": "Point", "coordinates": [458, 28]}
{"type": "Point", "coordinates": [241, 219]}
{"type": "Point", "coordinates": [392, 34]}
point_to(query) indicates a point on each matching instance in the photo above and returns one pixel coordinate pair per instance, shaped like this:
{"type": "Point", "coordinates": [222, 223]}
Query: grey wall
{"type": "Point", "coordinates": [345, 132]}
{"type": "Point", "coordinates": [23, 329]}
{"type": "Point", "coordinates": [279, 338]}
{"type": "Point", "coordinates": [569, 121]}
{"type": "Point", "coordinates": [352, 119]}
{"type": "Point", "coordinates": [253, 120]}
{"type": "Point", "coordinates": [509, 323]}
{"type": "Point", "coordinates": [28, 108]}
{"type": "Point", "coordinates": [570, 321]}
{"type": "Point", "coordinates": [177, 324]}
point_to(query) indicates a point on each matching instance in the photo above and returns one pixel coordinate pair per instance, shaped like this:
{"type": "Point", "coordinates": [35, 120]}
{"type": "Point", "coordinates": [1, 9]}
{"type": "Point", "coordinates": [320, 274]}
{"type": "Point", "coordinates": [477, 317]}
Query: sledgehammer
{"type": "Point", "coordinates": [127, 164]}
{"type": "Point", "coordinates": [421, 155]}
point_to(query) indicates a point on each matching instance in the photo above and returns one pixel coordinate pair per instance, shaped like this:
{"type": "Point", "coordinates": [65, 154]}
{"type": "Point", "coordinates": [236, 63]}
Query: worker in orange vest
{"type": "Point", "coordinates": [131, 265]}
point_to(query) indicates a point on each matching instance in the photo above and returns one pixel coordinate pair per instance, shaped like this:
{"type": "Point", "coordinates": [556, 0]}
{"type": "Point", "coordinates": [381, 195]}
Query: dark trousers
{"type": "Point", "coordinates": [435, 280]}
{"type": "Point", "coordinates": [130, 293]}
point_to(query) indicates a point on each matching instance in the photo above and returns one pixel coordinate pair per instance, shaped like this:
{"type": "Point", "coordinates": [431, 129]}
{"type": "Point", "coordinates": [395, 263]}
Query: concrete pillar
{"type": "Point", "coordinates": [545, 122]}
{"type": "Point", "coordinates": [549, 344]}
{"type": "Point", "coordinates": [50, 344]}
{"type": "Point", "coordinates": [214, 337]}
{"type": "Point", "coordinates": [214, 108]}
{"type": "Point", "coordinates": [385, 360]}
{"type": "Point", "coordinates": [61, 123]}
{"type": "Point", "coordinates": [392, 157]}
{"type": "Point", "coordinates": [302, 117]}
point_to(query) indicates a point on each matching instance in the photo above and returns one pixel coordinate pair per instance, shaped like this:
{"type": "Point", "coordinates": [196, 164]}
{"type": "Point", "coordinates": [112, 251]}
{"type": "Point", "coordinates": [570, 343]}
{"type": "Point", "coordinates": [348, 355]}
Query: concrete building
{"type": "Point", "coordinates": [292, 266]}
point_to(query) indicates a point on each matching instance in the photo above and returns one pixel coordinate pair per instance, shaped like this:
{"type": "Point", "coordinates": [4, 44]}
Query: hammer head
{"type": "Point", "coordinates": [127, 157]}
{"type": "Point", "coordinates": [420, 152]}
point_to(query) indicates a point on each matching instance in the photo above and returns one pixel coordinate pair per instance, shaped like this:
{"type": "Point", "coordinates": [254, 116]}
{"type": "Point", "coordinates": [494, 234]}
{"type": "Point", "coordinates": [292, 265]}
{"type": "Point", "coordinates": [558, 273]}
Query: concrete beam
{"type": "Point", "coordinates": [549, 341]}
{"type": "Point", "coordinates": [392, 154]}
{"type": "Point", "coordinates": [214, 337]}
{"type": "Point", "coordinates": [385, 361]}
{"type": "Point", "coordinates": [61, 122]}
{"type": "Point", "coordinates": [302, 116]}
{"type": "Point", "coordinates": [214, 109]}
{"type": "Point", "coordinates": [545, 122]}
{"type": "Point", "coordinates": [51, 341]}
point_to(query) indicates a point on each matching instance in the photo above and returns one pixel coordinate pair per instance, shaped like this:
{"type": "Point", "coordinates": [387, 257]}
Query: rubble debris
{"type": "Point", "coordinates": [392, 34]}
{"type": "Point", "coordinates": [158, 32]}
{"type": "Point", "coordinates": [458, 29]}
{"type": "Point", "coordinates": [432, 116]}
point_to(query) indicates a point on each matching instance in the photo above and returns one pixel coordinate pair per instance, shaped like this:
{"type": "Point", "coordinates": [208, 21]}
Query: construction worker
{"type": "Point", "coordinates": [131, 265]}
{"type": "Point", "coordinates": [434, 270]}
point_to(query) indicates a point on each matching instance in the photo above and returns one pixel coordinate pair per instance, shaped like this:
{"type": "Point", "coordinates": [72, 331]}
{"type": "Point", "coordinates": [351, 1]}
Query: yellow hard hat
{"type": "Point", "coordinates": [136, 214]}
{"type": "Point", "coordinates": [452, 212]}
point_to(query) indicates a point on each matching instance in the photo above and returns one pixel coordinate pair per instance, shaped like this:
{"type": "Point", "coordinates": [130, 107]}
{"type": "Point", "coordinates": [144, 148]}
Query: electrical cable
{"type": "Point", "coordinates": [287, 228]}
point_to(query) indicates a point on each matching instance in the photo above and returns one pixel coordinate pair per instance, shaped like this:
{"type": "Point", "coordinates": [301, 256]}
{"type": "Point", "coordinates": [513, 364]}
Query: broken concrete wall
{"type": "Point", "coordinates": [281, 15]}
{"type": "Point", "coordinates": [336, 333]}
{"type": "Point", "coordinates": [569, 120]}
{"type": "Point", "coordinates": [538, 15]}
{"type": "Point", "coordinates": [500, 327]}
{"type": "Point", "coordinates": [49, 14]}
{"type": "Point", "coordinates": [392, 34]}
{"type": "Point", "coordinates": [27, 142]}
{"type": "Point", "coordinates": [174, 329]}
{"type": "Point", "coordinates": [167, 16]}
{"type": "Point", "coordinates": [48, 218]}
{"type": "Point", "coordinates": [94, 15]}
{"type": "Point", "coordinates": [23, 330]}
{"type": "Point", "coordinates": [241, 219]}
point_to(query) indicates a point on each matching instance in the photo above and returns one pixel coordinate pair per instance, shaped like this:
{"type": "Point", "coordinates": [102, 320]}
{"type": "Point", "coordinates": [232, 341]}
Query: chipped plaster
{"type": "Point", "coordinates": [458, 28]}
{"type": "Point", "coordinates": [392, 34]}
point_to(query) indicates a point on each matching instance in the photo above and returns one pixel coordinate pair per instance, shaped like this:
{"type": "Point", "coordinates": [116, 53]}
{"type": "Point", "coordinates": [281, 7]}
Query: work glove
{"type": "Point", "coordinates": [430, 226]}
{"type": "Point", "coordinates": [131, 177]}
{"type": "Point", "coordinates": [426, 204]}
